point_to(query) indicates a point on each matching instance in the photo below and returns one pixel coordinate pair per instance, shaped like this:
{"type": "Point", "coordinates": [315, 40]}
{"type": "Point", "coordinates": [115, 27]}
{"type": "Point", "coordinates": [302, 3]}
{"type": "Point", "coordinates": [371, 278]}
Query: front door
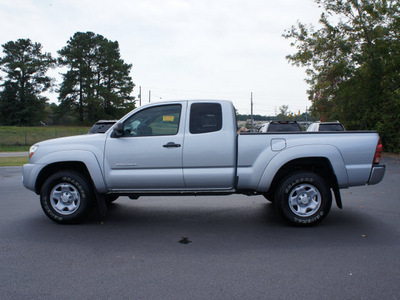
{"type": "Point", "coordinates": [149, 154]}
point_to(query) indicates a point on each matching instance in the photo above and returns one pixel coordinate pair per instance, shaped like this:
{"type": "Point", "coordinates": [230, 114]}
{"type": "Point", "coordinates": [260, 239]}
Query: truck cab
{"type": "Point", "coordinates": [192, 146]}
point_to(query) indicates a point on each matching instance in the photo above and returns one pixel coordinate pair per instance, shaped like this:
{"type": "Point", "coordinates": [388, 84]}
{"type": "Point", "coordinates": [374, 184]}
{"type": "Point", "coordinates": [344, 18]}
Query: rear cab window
{"type": "Point", "coordinates": [205, 118]}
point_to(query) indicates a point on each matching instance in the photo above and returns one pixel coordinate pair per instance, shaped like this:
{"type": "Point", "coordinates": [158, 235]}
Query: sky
{"type": "Point", "coordinates": [182, 49]}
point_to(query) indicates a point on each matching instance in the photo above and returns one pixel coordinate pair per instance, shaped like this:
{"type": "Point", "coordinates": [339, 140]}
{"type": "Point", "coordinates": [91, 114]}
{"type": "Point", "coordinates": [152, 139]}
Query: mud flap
{"type": "Point", "coordinates": [338, 197]}
{"type": "Point", "coordinates": [101, 204]}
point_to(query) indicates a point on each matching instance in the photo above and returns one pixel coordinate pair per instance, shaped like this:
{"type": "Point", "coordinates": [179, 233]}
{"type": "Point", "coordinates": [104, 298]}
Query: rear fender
{"type": "Point", "coordinates": [308, 151]}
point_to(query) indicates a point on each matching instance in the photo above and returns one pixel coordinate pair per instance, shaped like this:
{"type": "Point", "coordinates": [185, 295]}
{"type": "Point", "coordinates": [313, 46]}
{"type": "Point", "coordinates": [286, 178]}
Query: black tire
{"type": "Point", "coordinates": [303, 199]}
{"type": "Point", "coordinates": [66, 197]}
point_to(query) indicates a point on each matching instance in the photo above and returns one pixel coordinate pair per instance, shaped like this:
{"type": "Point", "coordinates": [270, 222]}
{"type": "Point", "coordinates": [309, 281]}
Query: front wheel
{"type": "Point", "coordinates": [303, 199]}
{"type": "Point", "coordinates": [66, 197]}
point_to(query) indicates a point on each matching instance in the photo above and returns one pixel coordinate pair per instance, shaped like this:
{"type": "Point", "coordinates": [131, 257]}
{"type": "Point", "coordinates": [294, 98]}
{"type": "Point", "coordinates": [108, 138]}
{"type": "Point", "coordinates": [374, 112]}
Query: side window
{"type": "Point", "coordinates": [159, 120]}
{"type": "Point", "coordinates": [205, 117]}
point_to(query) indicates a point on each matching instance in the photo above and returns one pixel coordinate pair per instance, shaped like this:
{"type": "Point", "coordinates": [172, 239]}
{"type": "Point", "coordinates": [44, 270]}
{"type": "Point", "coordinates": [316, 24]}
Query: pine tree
{"type": "Point", "coordinates": [25, 67]}
{"type": "Point", "coordinates": [97, 83]}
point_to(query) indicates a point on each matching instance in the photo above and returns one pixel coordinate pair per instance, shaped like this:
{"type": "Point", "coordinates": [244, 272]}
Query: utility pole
{"type": "Point", "coordinates": [252, 128]}
{"type": "Point", "coordinates": [306, 115]}
{"type": "Point", "coordinates": [149, 96]}
{"type": "Point", "coordinates": [140, 95]}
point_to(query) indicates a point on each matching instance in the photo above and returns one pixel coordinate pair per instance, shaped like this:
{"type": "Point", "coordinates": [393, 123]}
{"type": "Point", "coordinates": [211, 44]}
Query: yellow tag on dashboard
{"type": "Point", "coordinates": [168, 118]}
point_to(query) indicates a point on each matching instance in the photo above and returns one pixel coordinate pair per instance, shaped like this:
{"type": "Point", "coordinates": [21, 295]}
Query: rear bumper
{"type": "Point", "coordinates": [377, 173]}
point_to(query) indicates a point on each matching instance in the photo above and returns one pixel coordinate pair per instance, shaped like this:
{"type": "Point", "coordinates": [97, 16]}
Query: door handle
{"type": "Point", "coordinates": [171, 145]}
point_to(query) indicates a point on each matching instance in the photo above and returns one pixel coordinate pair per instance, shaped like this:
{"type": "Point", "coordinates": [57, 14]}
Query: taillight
{"type": "Point", "coordinates": [378, 152]}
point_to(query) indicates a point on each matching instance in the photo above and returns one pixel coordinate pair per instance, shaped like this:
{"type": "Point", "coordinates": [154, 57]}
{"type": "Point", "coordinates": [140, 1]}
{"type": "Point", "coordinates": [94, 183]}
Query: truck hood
{"type": "Point", "coordinates": [74, 140]}
{"type": "Point", "coordinates": [89, 142]}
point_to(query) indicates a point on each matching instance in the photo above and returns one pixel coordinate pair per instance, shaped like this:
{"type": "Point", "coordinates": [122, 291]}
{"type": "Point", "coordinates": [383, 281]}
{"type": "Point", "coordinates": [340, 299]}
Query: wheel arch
{"type": "Point", "coordinates": [317, 158]}
{"type": "Point", "coordinates": [87, 164]}
{"type": "Point", "coordinates": [318, 165]}
{"type": "Point", "coordinates": [53, 168]}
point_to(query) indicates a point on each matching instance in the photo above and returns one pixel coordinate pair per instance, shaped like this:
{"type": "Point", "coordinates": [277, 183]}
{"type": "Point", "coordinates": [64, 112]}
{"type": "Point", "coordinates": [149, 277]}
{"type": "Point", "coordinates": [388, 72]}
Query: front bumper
{"type": "Point", "coordinates": [29, 175]}
{"type": "Point", "coordinates": [377, 173]}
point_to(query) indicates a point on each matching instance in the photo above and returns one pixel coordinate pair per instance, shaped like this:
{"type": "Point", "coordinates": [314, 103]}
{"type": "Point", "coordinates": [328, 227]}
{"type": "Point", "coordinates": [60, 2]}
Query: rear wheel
{"type": "Point", "coordinates": [303, 199]}
{"type": "Point", "coordinates": [66, 197]}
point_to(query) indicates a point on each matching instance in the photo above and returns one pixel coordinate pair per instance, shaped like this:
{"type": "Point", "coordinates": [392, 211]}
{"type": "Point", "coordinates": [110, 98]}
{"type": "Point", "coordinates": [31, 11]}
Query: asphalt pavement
{"type": "Point", "coordinates": [13, 154]}
{"type": "Point", "coordinates": [235, 247]}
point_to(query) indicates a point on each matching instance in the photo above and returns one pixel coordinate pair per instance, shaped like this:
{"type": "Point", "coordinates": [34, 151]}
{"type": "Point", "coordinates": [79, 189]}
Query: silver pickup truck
{"type": "Point", "coordinates": [192, 148]}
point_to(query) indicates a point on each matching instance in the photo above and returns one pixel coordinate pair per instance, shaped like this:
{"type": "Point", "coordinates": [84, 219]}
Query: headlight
{"type": "Point", "coordinates": [32, 150]}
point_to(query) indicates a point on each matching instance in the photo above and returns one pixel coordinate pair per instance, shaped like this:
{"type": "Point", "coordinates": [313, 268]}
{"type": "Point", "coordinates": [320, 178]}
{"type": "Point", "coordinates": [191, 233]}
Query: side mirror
{"type": "Point", "coordinates": [118, 130]}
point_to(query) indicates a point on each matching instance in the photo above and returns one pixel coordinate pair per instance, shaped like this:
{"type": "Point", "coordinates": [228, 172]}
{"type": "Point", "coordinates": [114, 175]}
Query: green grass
{"type": "Point", "coordinates": [27, 136]}
{"type": "Point", "coordinates": [19, 139]}
{"type": "Point", "coordinates": [13, 161]}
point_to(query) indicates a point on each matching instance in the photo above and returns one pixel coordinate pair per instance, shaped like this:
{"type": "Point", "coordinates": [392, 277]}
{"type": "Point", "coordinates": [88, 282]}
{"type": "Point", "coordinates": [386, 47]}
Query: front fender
{"type": "Point", "coordinates": [83, 156]}
{"type": "Point", "coordinates": [307, 151]}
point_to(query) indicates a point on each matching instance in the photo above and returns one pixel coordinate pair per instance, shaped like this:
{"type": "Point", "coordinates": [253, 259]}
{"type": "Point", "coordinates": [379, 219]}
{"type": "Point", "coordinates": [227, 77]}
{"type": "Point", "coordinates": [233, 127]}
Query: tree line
{"type": "Point", "coordinates": [353, 65]}
{"type": "Point", "coordinates": [284, 115]}
{"type": "Point", "coordinates": [352, 61]}
{"type": "Point", "coordinates": [95, 84]}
